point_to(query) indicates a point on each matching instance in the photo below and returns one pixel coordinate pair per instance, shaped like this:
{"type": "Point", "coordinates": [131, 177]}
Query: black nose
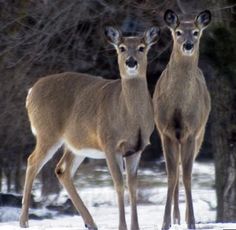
{"type": "Point", "coordinates": [131, 62]}
{"type": "Point", "coordinates": [188, 46]}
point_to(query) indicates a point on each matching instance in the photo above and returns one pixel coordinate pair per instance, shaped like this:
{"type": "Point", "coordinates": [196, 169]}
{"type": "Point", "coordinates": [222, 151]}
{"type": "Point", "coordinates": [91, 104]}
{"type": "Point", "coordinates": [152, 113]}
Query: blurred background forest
{"type": "Point", "coordinates": [43, 37]}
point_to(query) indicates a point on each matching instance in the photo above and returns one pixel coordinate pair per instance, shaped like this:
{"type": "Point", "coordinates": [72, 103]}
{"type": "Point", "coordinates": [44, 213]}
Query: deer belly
{"type": "Point", "coordinates": [87, 152]}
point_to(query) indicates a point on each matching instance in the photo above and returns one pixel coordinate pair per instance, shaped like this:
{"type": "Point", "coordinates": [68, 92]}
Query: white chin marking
{"type": "Point", "coordinates": [188, 52]}
{"type": "Point", "coordinates": [132, 71]}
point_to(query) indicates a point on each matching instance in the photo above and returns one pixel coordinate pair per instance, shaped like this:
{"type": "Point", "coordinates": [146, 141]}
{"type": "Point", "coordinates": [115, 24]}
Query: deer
{"type": "Point", "coordinates": [182, 105]}
{"type": "Point", "coordinates": [96, 118]}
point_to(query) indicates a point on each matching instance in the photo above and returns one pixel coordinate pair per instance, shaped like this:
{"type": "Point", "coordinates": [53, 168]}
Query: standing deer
{"type": "Point", "coordinates": [181, 108]}
{"type": "Point", "coordinates": [96, 118]}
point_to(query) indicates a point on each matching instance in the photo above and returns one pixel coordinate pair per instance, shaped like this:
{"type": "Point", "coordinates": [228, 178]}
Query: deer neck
{"type": "Point", "coordinates": [181, 74]}
{"type": "Point", "coordinates": [183, 65]}
{"type": "Point", "coordinates": [135, 94]}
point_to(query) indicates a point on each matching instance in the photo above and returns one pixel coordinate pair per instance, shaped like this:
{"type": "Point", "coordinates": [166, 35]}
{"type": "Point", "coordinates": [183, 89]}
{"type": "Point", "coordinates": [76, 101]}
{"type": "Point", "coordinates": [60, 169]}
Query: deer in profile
{"type": "Point", "coordinates": [181, 108]}
{"type": "Point", "coordinates": [96, 118]}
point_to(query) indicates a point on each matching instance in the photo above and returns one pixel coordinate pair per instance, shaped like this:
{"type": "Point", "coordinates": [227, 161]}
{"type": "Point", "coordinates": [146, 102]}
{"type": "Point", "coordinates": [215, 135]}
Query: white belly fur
{"type": "Point", "coordinates": [87, 152]}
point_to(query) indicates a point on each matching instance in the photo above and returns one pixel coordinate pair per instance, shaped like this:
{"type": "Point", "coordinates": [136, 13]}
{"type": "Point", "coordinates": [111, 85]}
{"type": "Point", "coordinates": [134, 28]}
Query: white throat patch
{"type": "Point", "coordinates": [132, 71]}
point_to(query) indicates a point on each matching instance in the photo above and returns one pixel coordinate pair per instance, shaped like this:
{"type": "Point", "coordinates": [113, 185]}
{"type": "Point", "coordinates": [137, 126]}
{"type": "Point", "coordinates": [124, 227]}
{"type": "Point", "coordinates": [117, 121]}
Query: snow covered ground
{"type": "Point", "coordinates": [97, 192]}
{"type": "Point", "coordinates": [150, 217]}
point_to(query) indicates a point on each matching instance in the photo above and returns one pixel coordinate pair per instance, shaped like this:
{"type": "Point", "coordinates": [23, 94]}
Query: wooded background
{"type": "Point", "coordinates": [42, 37]}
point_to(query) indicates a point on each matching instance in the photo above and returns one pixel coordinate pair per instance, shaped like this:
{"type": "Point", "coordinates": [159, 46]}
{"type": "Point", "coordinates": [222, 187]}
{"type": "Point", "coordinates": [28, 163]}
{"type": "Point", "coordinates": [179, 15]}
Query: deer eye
{"type": "Point", "coordinates": [141, 49]}
{"type": "Point", "coordinates": [178, 33]}
{"type": "Point", "coordinates": [195, 33]}
{"type": "Point", "coordinates": [122, 49]}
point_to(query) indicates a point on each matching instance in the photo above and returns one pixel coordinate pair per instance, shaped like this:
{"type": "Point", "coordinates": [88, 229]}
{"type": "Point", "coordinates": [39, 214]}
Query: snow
{"type": "Point", "coordinates": [150, 217]}
{"type": "Point", "coordinates": [100, 198]}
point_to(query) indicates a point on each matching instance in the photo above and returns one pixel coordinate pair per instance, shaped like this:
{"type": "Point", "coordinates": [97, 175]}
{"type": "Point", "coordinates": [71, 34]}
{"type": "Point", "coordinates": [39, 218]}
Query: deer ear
{"type": "Point", "coordinates": [152, 35]}
{"type": "Point", "coordinates": [171, 19]}
{"type": "Point", "coordinates": [113, 35]}
{"type": "Point", "coordinates": [203, 19]}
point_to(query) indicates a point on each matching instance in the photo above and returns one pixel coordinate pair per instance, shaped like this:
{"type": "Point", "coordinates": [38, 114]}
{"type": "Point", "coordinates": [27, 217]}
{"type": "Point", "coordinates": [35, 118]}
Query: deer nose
{"type": "Point", "coordinates": [188, 46]}
{"type": "Point", "coordinates": [131, 62]}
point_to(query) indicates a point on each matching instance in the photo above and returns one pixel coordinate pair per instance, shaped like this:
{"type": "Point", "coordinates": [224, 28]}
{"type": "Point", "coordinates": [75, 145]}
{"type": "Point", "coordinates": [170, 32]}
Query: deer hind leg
{"type": "Point", "coordinates": [132, 163]}
{"type": "Point", "coordinates": [199, 142]}
{"type": "Point", "coordinates": [171, 153]}
{"type": "Point", "coordinates": [65, 171]}
{"type": "Point", "coordinates": [176, 212]}
{"type": "Point", "coordinates": [44, 150]}
{"type": "Point", "coordinates": [187, 158]}
{"type": "Point", "coordinates": [115, 165]}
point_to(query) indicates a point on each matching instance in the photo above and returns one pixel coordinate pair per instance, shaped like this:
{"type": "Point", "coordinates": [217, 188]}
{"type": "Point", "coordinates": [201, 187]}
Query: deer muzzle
{"type": "Point", "coordinates": [188, 48]}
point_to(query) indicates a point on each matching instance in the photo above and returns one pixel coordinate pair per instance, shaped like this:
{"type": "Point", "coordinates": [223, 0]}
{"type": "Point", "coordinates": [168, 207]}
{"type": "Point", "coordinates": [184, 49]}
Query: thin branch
{"type": "Point", "coordinates": [223, 8]}
{"type": "Point", "coordinates": [179, 3]}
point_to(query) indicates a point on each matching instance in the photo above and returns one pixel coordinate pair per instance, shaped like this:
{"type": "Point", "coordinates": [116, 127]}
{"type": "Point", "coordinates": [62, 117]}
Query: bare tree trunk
{"type": "Point", "coordinates": [229, 196]}
{"type": "Point", "coordinates": [8, 178]}
{"type": "Point", "coordinates": [0, 178]}
{"type": "Point", "coordinates": [224, 135]}
{"type": "Point", "coordinates": [17, 177]}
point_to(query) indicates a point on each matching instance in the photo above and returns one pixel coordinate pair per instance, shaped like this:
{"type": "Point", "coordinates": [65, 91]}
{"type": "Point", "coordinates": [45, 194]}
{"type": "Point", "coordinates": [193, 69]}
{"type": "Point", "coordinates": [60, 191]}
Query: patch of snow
{"type": "Point", "coordinates": [97, 192]}
{"type": "Point", "coordinates": [150, 218]}
{"type": "Point", "coordinates": [9, 214]}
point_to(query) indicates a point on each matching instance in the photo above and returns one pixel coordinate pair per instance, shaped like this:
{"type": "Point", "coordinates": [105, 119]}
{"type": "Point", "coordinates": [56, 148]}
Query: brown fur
{"type": "Point", "coordinates": [181, 107]}
{"type": "Point", "coordinates": [89, 117]}
{"type": "Point", "coordinates": [83, 111]}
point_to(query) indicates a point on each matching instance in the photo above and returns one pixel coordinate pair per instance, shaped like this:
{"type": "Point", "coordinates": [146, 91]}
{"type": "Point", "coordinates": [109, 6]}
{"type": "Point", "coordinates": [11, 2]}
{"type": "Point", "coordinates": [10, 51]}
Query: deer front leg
{"type": "Point", "coordinates": [132, 163]}
{"type": "Point", "coordinates": [65, 171]}
{"type": "Point", "coordinates": [115, 165]}
{"type": "Point", "coordinates": [176, 212]}
{"type": "Point", "coordinates": [187, 158]}
{"type": "Point", "coordinates": [171, 153]}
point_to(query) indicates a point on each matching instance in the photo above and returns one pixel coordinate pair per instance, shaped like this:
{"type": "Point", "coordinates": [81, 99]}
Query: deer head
{"type": "Point", "coordinates": [186, 34]}
{"type": "Point", "coordinates": [132, 51]}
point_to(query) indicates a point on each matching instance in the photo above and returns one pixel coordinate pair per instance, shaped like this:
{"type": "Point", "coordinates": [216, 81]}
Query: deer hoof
{"type": "Point", "coordinates": [123, 226]}
{"type": "Point", "coordinates": [89, 227]}
{"type": "Point", "coordinates": [191, 226]}
{"type": "Point", "coordinates": [135, 228]}
{"type": "Point", "coordinates": [165, 226]}
{"type": "Point", "coordinates": [24, 224]}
